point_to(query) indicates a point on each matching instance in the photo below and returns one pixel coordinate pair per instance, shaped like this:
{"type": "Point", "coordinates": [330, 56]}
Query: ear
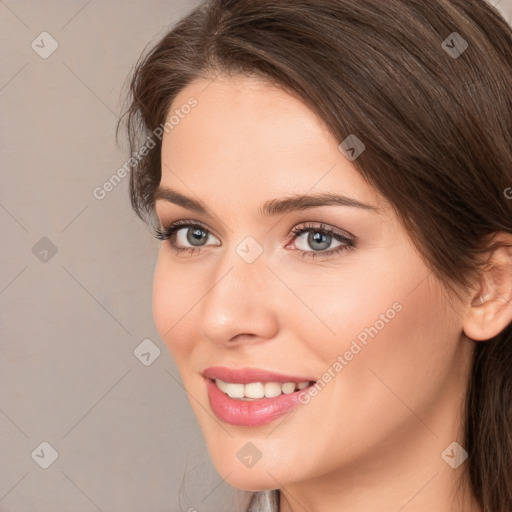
{"type": "Point", "coordinates": [490, 303]}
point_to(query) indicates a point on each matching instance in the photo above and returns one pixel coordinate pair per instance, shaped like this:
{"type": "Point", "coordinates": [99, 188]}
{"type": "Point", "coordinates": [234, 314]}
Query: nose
{"type": "Point", "coordinates": [240, 304]}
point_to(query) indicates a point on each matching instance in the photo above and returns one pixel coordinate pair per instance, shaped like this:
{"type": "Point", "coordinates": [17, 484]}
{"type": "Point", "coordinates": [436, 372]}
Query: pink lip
{"type": "Point", "coordinates": [246, 375]}
{"type": "Point", "coordinates": [249, 413]}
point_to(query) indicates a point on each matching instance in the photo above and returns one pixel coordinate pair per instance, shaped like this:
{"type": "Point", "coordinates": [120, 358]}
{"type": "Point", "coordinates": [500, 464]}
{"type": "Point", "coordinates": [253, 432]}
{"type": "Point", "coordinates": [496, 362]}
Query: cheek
{"type": "Point", "coordinates": [387, 298]}
{"type": "Point", "coordinates": [172, 300]}
{"type": "Point", "coordinates": [359, 300]}
{"type": "Point", "coordinates": [398, 350]}
{"type": "Point", "coordinates": [391, 326]}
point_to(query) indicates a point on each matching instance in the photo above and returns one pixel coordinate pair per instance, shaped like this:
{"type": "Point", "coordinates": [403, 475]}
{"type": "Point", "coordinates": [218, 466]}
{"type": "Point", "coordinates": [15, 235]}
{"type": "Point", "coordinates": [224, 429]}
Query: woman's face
{"type": "Point", "coordinates": [365, 316]}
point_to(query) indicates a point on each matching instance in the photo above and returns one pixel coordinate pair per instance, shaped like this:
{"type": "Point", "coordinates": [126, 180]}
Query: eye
{"type": "Point", "coordinates": [320, 238]}
{"type": "Point", "coordinates": [194, 233]}
{"type": "Point", "coordinates": [182, 233]}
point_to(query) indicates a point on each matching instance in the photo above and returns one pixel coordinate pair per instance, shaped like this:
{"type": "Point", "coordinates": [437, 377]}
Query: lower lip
{"type": "Point", "coordinates": [250, 413]}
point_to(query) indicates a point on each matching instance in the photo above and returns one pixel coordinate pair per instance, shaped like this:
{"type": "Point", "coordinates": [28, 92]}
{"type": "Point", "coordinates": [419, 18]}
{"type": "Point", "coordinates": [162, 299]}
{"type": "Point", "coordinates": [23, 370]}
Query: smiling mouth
{"type": "Point", "coordinates": [258, 390]}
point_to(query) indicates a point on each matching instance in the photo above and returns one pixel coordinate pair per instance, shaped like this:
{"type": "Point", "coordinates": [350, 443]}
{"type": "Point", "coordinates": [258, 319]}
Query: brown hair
{"type": "Point", "coordinates": [435, 118]}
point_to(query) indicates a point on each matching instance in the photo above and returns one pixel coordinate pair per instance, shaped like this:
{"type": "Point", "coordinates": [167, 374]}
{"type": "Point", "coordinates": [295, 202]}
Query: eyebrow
{"type": "Point", "coordinates": [272, 207]}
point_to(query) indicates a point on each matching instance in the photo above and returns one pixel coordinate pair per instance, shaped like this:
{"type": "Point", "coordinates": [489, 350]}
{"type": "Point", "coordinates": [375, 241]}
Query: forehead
{"type": "Point", "coordinates": [254, 138]}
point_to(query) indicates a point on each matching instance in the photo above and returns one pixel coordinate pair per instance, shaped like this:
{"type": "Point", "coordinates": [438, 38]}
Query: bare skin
{"type": "Point", "coordinates": [372, 438]}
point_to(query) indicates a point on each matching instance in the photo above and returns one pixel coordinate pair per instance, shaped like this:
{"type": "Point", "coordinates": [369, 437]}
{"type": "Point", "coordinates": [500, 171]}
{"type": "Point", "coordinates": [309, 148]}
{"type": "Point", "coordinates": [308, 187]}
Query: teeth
{"type": "Point", "coordinates": [235, 390]}
{"type": "Point", "coordinates": [273, 389]}
{"type": "Point", "coordinates": [256, 390]}
{"type": "Point", "coordinates": [223, 386]}
{"type": "Point", "coordinates": [288, 388]}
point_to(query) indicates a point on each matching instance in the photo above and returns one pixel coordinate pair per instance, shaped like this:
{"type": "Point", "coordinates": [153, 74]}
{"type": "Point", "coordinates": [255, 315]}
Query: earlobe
{"type": "Point", "coordinates": [490, 308]}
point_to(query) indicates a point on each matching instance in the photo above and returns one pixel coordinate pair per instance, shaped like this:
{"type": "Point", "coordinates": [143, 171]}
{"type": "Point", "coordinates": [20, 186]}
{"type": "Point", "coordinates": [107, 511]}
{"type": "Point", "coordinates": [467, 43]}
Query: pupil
{"type": "Point", "coordinates": [197, 235]}
{"type": "Point", "coordinates": [317, 237]}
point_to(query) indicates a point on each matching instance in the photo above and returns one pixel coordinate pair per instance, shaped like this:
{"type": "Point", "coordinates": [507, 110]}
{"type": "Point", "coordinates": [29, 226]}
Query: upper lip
{"type": "Point", "coordinates": [247, 375]}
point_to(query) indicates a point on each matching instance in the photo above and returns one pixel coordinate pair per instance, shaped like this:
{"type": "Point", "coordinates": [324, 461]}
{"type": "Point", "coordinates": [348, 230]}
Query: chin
{"type": "Point", "coordinates": [256, 475]}
{"type": "Point", "coordinates": [247, 480]}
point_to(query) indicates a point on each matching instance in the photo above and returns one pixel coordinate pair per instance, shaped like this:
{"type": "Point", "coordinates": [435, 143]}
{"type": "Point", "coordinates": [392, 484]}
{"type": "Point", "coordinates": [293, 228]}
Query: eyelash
{"type": "Point", "coordinates": [168, 232]}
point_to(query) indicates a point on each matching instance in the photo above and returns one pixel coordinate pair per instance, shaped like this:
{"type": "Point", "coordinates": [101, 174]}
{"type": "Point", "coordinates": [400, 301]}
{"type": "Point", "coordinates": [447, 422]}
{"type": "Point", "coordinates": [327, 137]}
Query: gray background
{"type": "Point", "coordinates": [124, 432]}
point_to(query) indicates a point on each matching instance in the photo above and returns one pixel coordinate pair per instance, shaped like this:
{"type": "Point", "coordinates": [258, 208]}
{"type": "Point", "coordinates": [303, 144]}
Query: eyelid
{"type": "Point", "coordinates": [182, 224]}
{"type": "Point", "coordinates": [301, 225]}
{"type": "Point", "coordinates": [179, 224]}
{"type": "Point", "coordinates": [322, 226]}
{"type": "Point", "coordinates": [346, 240]}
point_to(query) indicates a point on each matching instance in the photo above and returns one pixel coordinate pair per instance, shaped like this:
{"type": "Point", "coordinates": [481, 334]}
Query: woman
{"type": "Point", "coordinates": [331, 180]}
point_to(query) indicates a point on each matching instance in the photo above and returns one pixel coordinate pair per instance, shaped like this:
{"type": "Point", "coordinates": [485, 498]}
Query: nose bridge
{"type": "Point", "coordinates": [244, 267]}
{"type": "Point", "coordinates": [238, 300]}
